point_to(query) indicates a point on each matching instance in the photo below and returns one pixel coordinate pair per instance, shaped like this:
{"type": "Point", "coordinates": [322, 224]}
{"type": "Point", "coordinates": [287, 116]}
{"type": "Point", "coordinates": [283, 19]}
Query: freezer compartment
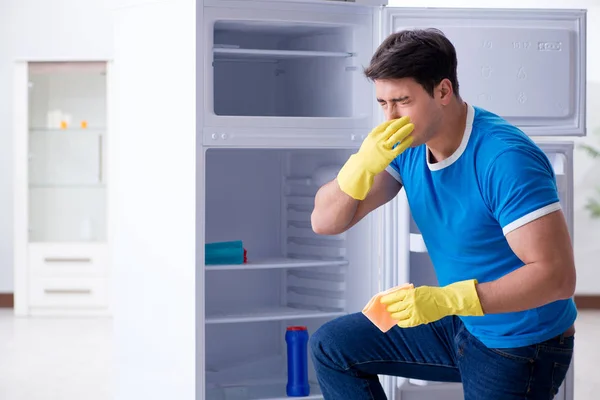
{"type": "Point", "coordinates": [282, 70]}
{"type": "Point", "coordinates": [249, 361]}
{"type": "Point", "coordinates": [286, 66]}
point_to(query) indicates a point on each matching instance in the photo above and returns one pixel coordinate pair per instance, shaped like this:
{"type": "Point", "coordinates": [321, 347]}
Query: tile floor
{"type": "Point", "coordinates": [71, 359]}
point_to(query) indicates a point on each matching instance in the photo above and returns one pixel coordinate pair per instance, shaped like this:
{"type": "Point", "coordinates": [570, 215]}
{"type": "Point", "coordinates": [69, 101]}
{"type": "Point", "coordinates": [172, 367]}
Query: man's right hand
{"type": "Point", "coordinates": [375, 154]}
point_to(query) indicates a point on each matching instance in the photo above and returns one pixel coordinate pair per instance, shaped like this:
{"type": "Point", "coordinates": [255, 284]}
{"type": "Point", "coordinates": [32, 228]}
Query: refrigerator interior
{"type": "Point", "coordinates": [265, 197]}
{"type": "Point", "coordinates": [271, 69]}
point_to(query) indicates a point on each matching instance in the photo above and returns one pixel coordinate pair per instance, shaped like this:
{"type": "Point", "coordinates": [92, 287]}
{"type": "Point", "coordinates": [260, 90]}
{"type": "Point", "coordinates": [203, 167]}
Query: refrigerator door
{"type": "Point", "coordinates": [561, 156]}
{"type": "Point", "coordinates": [407, 260]}
{"type": "Point", "coordinates": [152, 227]}
{"type": "Point", "coordinates": [526, 65]}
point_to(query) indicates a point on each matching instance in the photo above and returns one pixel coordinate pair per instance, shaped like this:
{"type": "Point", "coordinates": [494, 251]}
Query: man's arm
{"type": "Point", "coordinates": [336, 212]}
{"type": "Point", "coordinates": [544, 246]}
{"type": "Point", "coordinates": [521, 192]}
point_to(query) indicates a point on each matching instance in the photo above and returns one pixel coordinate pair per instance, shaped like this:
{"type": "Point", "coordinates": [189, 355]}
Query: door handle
{"type": "Point", "coordinates": [67, 260]}
{"type": "Point", "coordinates": [68, 291]}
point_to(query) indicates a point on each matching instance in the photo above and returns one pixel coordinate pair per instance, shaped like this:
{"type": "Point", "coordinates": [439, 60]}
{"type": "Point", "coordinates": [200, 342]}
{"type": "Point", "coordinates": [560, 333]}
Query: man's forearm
{"type": "Point", "coordinates": [333, 210]}
{"type": "Point", "coordinates": [530, 286]}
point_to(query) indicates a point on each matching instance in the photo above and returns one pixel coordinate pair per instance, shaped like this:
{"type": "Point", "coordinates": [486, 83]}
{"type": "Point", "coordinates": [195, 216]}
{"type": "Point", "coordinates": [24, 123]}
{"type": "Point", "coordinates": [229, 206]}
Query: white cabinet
{"type": "Point", "coordinates": [60, 136]}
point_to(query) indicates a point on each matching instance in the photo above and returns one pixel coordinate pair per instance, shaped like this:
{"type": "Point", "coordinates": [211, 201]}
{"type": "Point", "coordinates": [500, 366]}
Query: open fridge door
{"type": "Point", "coordinates": [560, 155]}
{"type": "Point", "coordinates": [506, 57]}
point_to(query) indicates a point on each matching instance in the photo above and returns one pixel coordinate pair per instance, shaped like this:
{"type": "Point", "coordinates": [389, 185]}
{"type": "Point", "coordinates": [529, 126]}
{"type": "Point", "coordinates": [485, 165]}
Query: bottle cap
{"type": "Point", "coordinates": [296, 328]}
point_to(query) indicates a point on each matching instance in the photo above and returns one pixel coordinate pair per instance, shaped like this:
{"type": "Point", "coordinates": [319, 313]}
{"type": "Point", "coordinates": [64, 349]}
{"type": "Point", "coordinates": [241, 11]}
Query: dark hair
{"type": "Point", "coordinates": [425, 55]}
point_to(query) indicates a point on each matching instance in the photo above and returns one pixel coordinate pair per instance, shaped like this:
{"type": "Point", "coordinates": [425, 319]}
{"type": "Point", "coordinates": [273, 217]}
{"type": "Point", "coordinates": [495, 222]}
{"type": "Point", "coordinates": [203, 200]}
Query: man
{"type": "Point", "coordinates": [485, 199]}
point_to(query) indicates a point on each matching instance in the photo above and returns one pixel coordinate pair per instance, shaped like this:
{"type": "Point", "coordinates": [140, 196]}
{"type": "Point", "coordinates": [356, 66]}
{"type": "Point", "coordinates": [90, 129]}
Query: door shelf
{"type": "Point", "coordinates": [417, 244]}
{"type": "Point", "coordinates": [227, 54]}
{"type": "Point", "coordinates": [278, 263]}
{"type": "Point", "coordinates": [275, 313]}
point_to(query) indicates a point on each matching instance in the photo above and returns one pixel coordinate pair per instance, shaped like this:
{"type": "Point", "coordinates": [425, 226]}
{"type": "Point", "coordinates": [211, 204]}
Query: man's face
{"type": "Point", "coordinates": [405, 97]}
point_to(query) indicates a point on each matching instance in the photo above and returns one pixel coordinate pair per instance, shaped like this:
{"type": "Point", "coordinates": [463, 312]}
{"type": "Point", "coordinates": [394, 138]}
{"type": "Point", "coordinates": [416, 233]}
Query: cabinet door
{"type": "Point", "coordinates": [526, 65]}
{"type": "Point", "coordinates": [66, 141]}
{"type": "Point", "coordinates": [286, 74]}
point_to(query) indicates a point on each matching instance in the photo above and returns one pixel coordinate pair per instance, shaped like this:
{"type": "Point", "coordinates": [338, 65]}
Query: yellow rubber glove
{"type": "Point", "coordinates": [426, 304]}
{"type": "Point", "coordinates": [375, 154]}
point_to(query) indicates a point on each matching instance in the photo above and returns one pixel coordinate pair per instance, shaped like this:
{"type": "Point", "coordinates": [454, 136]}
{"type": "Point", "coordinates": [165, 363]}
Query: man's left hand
{"type": "Point", "coordinates": [426, 304]}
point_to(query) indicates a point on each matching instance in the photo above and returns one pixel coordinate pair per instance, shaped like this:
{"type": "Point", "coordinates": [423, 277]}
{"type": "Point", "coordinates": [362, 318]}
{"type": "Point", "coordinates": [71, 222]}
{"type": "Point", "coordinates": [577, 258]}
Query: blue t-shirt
{"type": "Point", "coordinates": [497, 180]}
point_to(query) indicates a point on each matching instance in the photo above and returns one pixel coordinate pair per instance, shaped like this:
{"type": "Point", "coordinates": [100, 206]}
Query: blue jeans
{"type": "Point", "coordinates": [349, 352]}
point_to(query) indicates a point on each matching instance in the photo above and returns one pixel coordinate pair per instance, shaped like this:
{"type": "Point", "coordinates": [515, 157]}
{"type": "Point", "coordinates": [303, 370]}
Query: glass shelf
{"type": "Point", "coordinates": [66, 131]}
{"type": "Point", "coordinates": [67, 186]}
{"type": "Point", "coordinates": [274, 54]}
{"type": "Point", "coordinates": [66, 149]}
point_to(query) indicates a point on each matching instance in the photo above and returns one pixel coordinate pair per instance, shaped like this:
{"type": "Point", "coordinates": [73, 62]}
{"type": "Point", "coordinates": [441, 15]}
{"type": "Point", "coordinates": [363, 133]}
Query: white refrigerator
{"type": "Point", "coordinates": [228, 115]}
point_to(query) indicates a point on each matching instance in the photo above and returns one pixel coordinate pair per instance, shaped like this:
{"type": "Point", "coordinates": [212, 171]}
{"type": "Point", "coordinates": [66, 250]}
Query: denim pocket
{"type": "Point", "coordinates": [558, 347]}
{"type": "Point", "coordinates": [559, 372]}
{"type": "Point", "coordinates": [525, 354]}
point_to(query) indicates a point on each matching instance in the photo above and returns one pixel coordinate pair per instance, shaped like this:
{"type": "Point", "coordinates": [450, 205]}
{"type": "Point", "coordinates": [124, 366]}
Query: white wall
{"type": "Point", "coordinates": [40, 30]}
{"type": "Point", "coordinates": [587, 230]}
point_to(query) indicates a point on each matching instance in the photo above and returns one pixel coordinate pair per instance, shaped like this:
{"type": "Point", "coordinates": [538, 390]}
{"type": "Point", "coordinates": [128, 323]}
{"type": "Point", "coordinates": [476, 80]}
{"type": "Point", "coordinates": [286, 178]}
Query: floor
{"type": "Point", "coordinates": [71, 359]}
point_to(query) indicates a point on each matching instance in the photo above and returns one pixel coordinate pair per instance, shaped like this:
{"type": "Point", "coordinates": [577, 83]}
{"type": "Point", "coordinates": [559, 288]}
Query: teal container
{"type": "Point", "coordinates": [224, 253]}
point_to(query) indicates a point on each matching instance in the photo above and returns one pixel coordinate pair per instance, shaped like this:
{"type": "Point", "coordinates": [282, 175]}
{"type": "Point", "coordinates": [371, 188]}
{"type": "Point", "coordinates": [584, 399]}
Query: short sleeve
{"type": "Point", "coordinates": [394, 170]}
{"type": "Point", "coordinates": [520, 187]}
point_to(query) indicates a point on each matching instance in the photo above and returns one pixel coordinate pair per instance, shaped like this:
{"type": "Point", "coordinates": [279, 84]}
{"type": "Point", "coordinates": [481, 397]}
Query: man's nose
{"type": "Point", "coordinates": [392, 114]}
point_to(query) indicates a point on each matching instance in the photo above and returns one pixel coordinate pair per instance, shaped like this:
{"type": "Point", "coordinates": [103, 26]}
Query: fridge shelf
{"type": "Point", "coordinates": [278, 263]}
{"type": "Point", "coordinates": [274, 391]}
{"type": "Point", "coordinates": [275, 313]}
{"type": "Point", "coordinates": [226, 54]}
{"type": "Point", "coordinates": [261, 377]}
